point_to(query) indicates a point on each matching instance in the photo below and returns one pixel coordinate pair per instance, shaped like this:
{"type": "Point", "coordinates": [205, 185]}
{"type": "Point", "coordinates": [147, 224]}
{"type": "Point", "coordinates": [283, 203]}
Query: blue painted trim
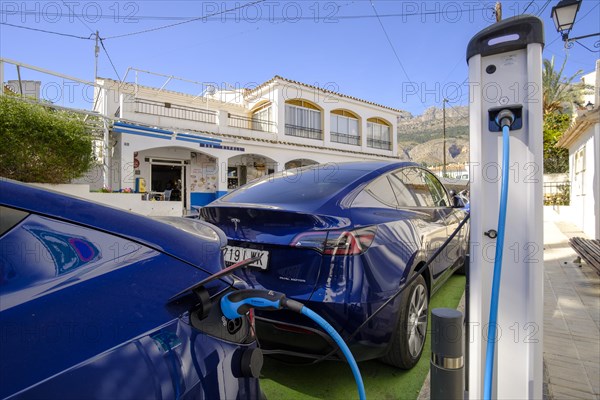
{"type": "Point", "coordinates": [184, 139]}
{"type": "Point", "coordinates": [142, 128]}
{"type": "Point", "coordinates": [158, 136]}
{"type": "Point", "coordinates": [192, 136]}
{"type": "Point", "coordinates": [220, 193]}
{"type": "Point", "coordinates": [201, 199]}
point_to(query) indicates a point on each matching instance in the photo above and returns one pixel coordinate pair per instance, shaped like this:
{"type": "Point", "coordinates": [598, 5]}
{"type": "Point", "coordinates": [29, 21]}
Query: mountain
{"type": "Point", "coordinates": [420, 138]}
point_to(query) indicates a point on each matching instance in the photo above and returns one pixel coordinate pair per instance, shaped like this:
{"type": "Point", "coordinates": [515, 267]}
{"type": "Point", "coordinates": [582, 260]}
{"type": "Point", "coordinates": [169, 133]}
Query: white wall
{"type": "Point", "coordinates": [126, 201]}
{"type": "Point", "coordinates": [585, 191]}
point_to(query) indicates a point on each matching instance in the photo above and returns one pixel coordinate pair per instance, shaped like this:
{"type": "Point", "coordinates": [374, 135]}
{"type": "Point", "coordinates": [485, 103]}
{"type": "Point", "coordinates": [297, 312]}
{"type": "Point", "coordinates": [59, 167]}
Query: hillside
{"type": "Point", "coordinates": [420, 138]}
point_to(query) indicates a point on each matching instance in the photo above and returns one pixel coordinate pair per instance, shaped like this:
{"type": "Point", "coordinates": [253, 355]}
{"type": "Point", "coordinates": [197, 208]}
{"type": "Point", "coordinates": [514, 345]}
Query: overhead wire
{"type": "Point", "coordinates": [211, 17]}
{"type": "Point", "coordinates": [47, 31]}
{"type": "Point", "coordinates": [109, 59]}
{"type": "Point", "coordinates": [527, 8]}
{"type": "Point", "coordinates": [539, 13]}
{"type": "Point", "coordinates": [389, 41]}
{"type": "Point", "coordinates": [185, 22]}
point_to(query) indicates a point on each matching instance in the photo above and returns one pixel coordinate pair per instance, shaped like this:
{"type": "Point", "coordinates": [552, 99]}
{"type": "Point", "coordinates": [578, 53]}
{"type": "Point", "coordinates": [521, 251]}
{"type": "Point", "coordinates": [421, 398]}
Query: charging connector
{"type": "Point", "coordinates": [510, 115]}
{"type": "Point", "coordinates": [505, 118]}
{"type": "Point", "coordinates": [236, 304]}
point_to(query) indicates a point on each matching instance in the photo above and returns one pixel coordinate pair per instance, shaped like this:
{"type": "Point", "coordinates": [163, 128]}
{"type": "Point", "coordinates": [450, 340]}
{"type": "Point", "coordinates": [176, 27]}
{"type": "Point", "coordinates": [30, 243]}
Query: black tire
{"type": "Point", "coordinates": [408, 340]}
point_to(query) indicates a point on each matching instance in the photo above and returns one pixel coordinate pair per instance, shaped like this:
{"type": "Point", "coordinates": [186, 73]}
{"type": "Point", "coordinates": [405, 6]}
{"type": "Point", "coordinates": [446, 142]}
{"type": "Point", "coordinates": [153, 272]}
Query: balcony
{"type": "Point", "coordinates": [379, 144]}
{"type": "Point", "coordinates": [175, 111]}
{"type": "Point", "coordinates": [256, 124]}
{"type": "Point", "coordinates": [345, 139]}
{"type": "Point", "coordinates": [303, 132]}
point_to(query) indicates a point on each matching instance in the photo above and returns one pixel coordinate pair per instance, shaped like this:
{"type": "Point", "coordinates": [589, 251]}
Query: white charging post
{"type": "Point", "coordinates": [505, 71]}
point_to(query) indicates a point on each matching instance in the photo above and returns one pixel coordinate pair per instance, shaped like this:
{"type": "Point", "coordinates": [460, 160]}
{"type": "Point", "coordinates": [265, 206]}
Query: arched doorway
{"type": "Point", "coordinates": [245, 168]}
{"type": "Point", "coordinates": [299, 162]}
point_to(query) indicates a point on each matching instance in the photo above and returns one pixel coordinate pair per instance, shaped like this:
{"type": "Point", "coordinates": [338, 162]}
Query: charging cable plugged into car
{"type": "Point", "coordinates": [236, 304]}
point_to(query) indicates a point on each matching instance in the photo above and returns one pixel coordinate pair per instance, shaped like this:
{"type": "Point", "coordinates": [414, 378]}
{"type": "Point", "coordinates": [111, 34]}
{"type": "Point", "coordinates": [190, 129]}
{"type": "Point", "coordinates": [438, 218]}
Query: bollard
{"type": "Point", "coordinates": [447, 361]}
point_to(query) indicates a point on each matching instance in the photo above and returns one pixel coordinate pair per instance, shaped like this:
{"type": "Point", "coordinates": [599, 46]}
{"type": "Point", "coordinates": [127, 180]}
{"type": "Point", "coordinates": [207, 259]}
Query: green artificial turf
{"type": "Point", "coordinates": [334, 380]}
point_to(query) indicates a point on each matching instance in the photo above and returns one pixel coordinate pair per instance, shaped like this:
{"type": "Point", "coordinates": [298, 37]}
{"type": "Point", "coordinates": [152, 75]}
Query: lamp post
{"type": "Point", "coordinates": [444, 118]}
{"type": "Point", "coordinates": [563, 15]}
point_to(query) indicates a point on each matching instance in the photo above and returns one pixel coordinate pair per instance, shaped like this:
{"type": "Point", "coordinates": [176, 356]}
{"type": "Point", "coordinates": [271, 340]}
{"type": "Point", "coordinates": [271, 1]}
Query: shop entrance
{"type": "Point", "coordinates": [167, 177]}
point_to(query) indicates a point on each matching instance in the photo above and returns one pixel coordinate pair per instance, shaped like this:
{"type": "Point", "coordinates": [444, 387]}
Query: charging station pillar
{"type": "Point", "coordinates": [505, 71]}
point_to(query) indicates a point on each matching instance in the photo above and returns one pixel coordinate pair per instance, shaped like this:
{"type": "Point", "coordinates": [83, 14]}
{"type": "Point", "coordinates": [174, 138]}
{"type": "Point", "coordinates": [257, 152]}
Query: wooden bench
{"type": "Point", "coordinates": [587, 249]}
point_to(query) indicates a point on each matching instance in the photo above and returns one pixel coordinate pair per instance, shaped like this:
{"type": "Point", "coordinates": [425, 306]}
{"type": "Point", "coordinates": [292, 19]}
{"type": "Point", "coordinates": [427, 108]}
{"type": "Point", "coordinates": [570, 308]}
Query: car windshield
{"type": "Point", "coordinates": [304, 185]}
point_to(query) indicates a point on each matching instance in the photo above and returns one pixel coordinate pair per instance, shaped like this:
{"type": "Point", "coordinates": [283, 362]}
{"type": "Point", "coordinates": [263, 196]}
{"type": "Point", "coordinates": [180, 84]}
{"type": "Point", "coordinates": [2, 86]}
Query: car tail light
{"type": "Point", "coordinates": [337, 242]}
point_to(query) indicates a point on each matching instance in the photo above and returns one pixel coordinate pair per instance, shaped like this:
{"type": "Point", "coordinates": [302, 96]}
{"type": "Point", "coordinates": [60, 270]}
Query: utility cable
{"type": "Point", "coordinates": [389, 41]}
{"type": "Point", "coordinates": [45, 31]}
{"type": "Point", "coordinates": [527, 8]}
{"type": "Point", "coordinates": [187, 21]}
{"type": "Point", "coordinates": [109, 59]}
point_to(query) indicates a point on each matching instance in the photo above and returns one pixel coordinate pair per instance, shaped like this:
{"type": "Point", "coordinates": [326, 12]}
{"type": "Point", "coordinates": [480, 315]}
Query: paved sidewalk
{"type": "Point", "coordinates": [571, 316]}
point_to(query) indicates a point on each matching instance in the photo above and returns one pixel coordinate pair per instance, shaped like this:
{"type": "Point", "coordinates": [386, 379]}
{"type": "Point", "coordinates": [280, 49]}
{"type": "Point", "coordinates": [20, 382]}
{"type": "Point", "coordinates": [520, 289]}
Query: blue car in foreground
{"type": "Point", "coordinates": [342, 238]}
{"type": "Point", "coordinates": [87, 306]}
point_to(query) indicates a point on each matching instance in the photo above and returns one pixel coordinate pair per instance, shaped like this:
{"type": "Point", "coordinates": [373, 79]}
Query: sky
{"type": "Point", "coordinates": [402, 54]}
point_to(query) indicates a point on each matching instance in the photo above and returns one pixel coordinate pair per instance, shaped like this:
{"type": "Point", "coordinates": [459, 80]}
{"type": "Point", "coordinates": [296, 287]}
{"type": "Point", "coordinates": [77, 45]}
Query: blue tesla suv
{"type": "Point", "coordinates": [88, 305]}
{"type": "Point", "coordinates": [343, 238]}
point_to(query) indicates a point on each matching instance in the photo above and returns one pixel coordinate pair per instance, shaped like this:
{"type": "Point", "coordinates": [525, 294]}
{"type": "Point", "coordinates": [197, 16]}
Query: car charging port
{"type": "Point", "coordinates": [234, 325]}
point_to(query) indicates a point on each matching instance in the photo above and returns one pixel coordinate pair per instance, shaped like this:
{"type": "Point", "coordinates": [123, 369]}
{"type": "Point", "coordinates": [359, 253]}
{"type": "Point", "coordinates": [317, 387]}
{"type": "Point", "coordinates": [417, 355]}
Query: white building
{"type": "Point", "coordinates": [208, 144]}
{"type": "Point", "coordinates": [583, 141]}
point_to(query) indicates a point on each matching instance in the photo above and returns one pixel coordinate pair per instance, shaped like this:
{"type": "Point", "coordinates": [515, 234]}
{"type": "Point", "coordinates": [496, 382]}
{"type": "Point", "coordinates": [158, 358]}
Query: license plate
{"type": "Point", "coordinates": [233, 254]}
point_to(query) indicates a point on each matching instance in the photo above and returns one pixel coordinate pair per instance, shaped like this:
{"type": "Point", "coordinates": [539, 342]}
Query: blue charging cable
{"type": "Point", "coordinates": [238, 303]}
{"type": "Point", "coordinates": [505, 119]}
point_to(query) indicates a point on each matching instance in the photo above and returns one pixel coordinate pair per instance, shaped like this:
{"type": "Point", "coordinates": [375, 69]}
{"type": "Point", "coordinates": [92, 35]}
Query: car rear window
{"type": "Point", "coordinates": [299, 185]}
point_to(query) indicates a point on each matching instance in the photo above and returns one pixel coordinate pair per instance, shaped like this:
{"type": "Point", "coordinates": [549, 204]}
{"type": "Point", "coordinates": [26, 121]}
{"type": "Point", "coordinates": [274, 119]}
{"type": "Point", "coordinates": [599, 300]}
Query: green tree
{"type": "Point", "coordinates": [41, 144]}
{"type": "Point", "coordinates": [556, 159]}
{"type": "Point", "coordinates": [560, 92]}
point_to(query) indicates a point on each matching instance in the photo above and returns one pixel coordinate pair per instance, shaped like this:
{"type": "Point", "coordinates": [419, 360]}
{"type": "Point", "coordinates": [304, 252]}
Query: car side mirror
{"type": "Point", "coordinates": [457, 201]}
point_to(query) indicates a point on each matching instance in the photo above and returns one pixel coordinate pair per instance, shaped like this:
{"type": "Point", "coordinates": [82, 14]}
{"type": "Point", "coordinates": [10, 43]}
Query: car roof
{"type": "Point", "coordinates": [149, 232]}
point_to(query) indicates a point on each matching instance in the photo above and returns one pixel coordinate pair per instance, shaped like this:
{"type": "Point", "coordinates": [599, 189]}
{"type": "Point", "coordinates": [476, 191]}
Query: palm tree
{"type": "Point", "coordinates": [560, 92]}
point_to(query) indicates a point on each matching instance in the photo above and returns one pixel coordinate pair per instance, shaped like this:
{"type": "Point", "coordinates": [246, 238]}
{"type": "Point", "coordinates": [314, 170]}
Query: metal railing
{"type": "Point", "coordinates": [304, 132]}
{"type": "Point", "coordinates": [256, 124]}
{"type": "Point", "coordinates": [175, 111]}
{"type": "Point", "coordinates": [345, 139]}
{"type": "Point", "coordinates": [379, 144]}
{"type": "Point", "coordinates": [557, 193]}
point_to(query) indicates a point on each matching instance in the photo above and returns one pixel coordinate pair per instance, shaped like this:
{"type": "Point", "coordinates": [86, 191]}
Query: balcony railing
{"type": "Point", "coordinates": [345, 139]}
{"type": "Point", "coordinates": [175, 111]}
{"type": "Point", "coordinates": [379, 144]}
{"type": "Point", "coordinates": [256, 124]}
{"type": "Point", "coordinates": [304, 132]}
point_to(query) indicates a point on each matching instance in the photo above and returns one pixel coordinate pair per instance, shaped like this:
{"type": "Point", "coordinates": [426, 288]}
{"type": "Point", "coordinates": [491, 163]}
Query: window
{"type": "Point", "coordinates": [378, 193]}
{"type": "Point", "coordinates": [414, 181]}
{"type": "Point", "coordinates": [440, 197]}
{"type": "Point", "coordinates": [378, 134]}
{"type": "Point", "coordinates": [344, 127]}
{"type": "Point", "coordinates": [262, 119]}
{"type": "Point", "coordinates": [303, 119]}
{"type": "Point", "coordinates": [403, 194]}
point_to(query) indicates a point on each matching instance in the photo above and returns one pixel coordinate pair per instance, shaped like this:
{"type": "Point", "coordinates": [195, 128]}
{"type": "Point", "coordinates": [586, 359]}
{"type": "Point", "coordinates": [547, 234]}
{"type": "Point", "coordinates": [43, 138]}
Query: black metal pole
{"type": "Point", "coordinates": [447, 360]}
{"type": "Point", "coordinates": [444, 166]}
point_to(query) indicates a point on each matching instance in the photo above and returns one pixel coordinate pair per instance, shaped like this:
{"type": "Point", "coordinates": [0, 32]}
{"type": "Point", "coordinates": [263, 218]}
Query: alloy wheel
{"type": "Point", "coordinates": [417, 320]}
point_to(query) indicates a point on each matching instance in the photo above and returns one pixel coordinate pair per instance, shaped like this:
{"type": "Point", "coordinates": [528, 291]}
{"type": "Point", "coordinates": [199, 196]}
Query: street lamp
{"type": "Point", "coordinates": [564, 14]}
{"type": "Point", "coordinates": [444, 117]}
{"type": "Point", "coordinates": [589, 106]}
